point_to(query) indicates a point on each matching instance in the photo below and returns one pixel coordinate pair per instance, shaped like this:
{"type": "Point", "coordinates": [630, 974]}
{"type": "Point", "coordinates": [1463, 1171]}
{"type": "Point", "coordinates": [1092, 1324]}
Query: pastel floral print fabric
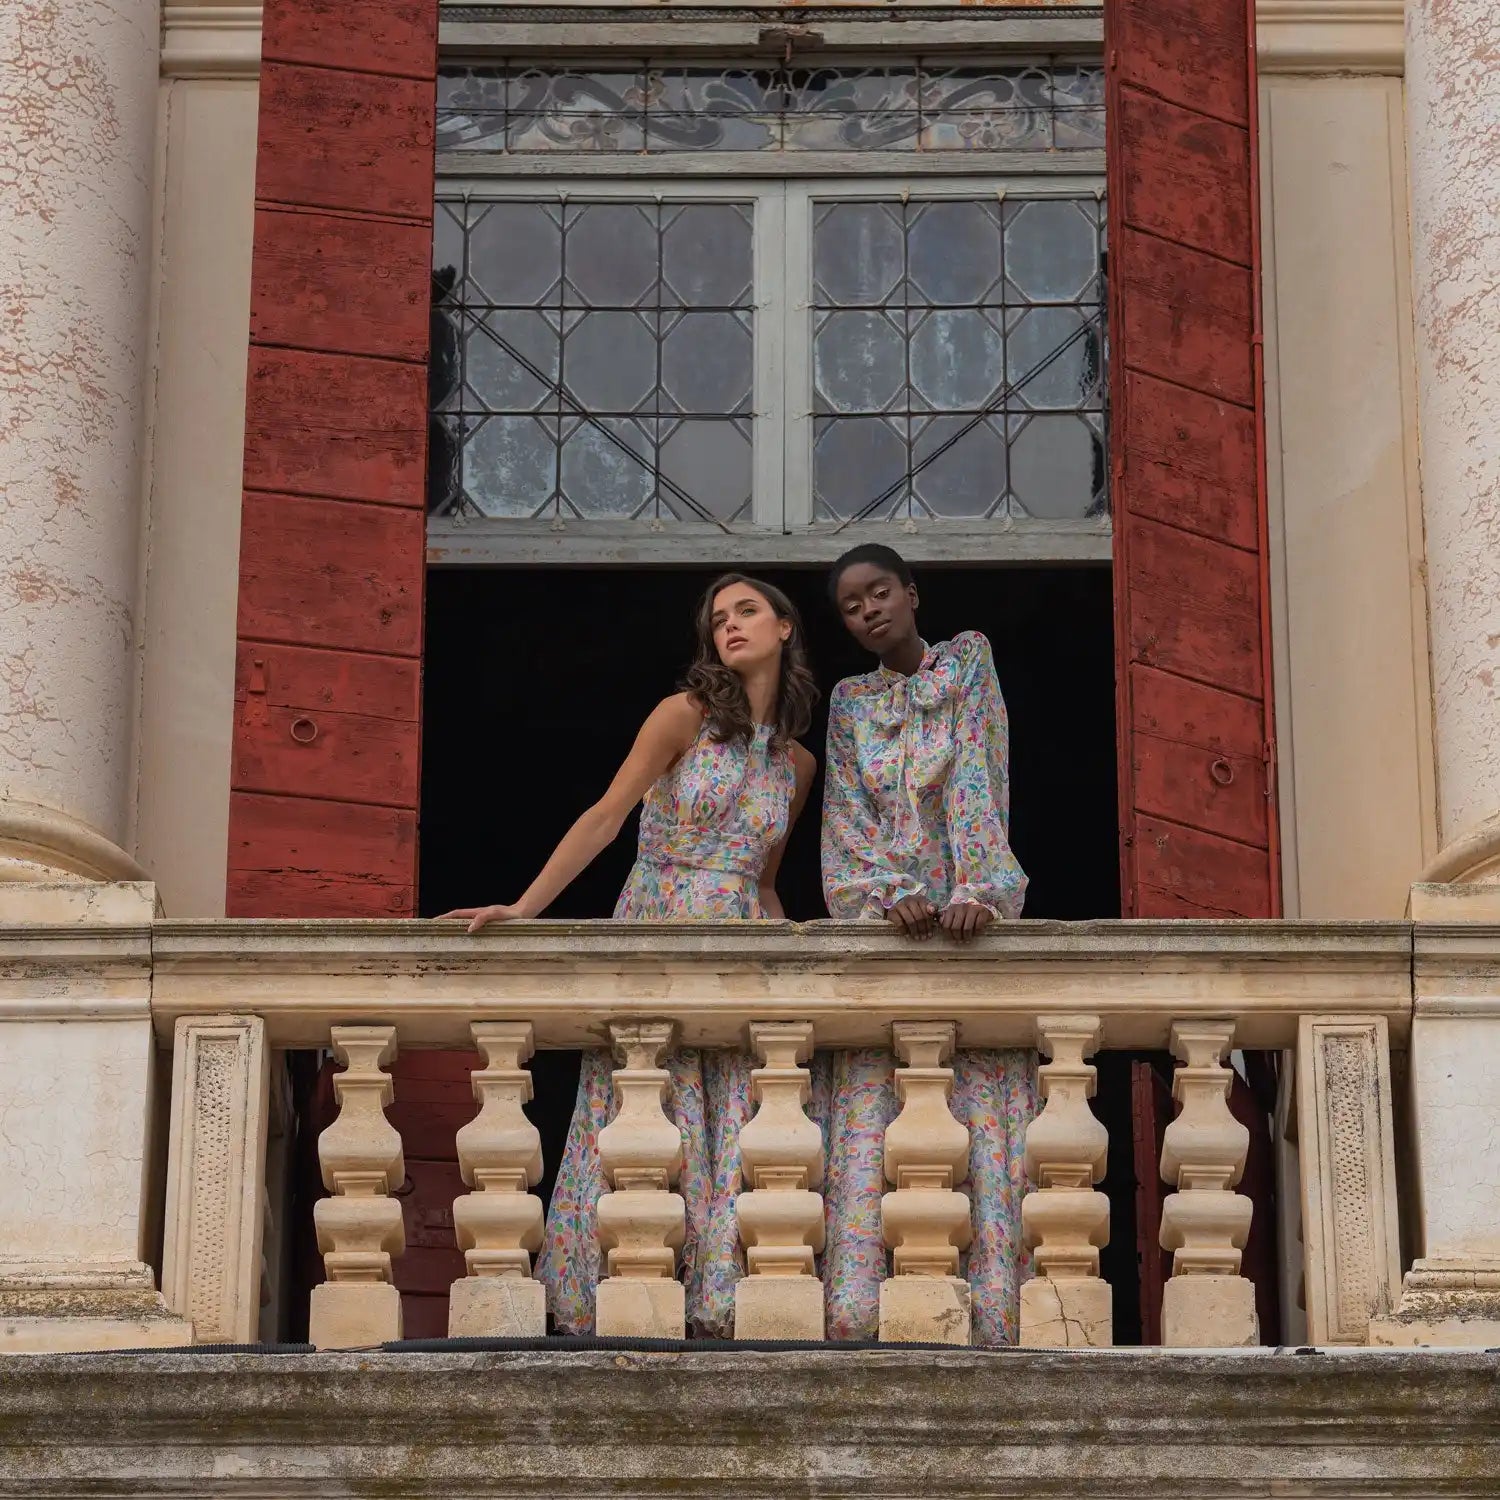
{"type": "Point", "coordinates": [853, 1100]}
{"type": "Point", "coordinates": [917, 800]}
{"type": "Point", "coordinates": [707, 829]}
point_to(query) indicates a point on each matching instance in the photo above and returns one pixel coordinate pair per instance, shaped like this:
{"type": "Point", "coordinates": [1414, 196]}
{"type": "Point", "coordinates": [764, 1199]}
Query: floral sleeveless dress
{"type": "Point", "coordinates": [707, 829]}
{"type": "Point", "coordinates": [917, 802]}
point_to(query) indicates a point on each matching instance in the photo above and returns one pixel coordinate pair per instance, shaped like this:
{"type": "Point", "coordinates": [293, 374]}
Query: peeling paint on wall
{"type": "Point", "coordinates": [1453, 109]}
{"type": "Point", "coordinates": [77, 109]}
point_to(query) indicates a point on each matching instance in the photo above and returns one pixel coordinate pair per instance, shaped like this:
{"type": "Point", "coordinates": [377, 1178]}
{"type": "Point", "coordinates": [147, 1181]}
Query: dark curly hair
{"type": "Point", "coordinates": [868, 552]}
{"type": "Point", "coordinates": [719, 691]}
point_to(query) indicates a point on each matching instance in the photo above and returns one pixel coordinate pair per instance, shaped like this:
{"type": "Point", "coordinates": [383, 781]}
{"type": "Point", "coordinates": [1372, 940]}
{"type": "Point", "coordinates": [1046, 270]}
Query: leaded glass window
{"type": "Point", "coordinates": [842, 342]}
{"type": "Point", "coordinates": [956, 358]}
{"type": "Point", "coordinates": [603, 357]}
{"type": "Point", "coordinates": [653, 107]}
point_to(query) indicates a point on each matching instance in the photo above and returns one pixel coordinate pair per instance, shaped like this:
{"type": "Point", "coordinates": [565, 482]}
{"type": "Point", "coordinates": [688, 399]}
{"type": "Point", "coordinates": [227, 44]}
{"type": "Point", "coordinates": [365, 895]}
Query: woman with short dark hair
{"type": "Point", "coordinates": [915, 812]}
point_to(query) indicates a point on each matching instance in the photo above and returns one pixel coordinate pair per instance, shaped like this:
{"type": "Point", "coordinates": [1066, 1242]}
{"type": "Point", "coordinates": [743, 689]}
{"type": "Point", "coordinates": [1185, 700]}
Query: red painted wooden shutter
{"type": "Point", "coordinates": [1150, 1108]}
{"type": "Point", "coordinates": [323, 806]}
{"type": "Point", "coordinates": [1193, 674]}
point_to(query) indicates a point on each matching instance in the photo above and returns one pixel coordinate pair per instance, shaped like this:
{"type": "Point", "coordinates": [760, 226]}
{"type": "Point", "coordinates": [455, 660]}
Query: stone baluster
{"type": "Point", "coordinates": [1207, 1304]}
{"type": "Point", "coordinates": [1064, 1221]}
{"type": "Point", "coordinates": [359, 1228]}
{"type": "Point", "coordinates": [642, 1221]}
{"type": "Point", "coordinates": [781, 1214]}
{"type": "Point", "coordinates": [926, 1219]}
{"type": "Point", "coordinates": [499, 1225]}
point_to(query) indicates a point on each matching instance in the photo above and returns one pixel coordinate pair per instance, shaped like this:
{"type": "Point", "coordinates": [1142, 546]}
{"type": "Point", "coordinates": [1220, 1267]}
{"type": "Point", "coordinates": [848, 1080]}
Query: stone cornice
{"type": "Point", "coordinates": [211, 40]}
{"type": "Point", "coordinates": [1330, 36]}
{"type": "Point", "coordinates": [1456, 967]}
{"type": "Point", "coordinates": [833, 1423]}
{"type": "Point", "coordinates": [222, 40]}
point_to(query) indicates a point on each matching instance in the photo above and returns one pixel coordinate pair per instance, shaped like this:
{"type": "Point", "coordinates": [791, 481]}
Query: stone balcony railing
{"type": "Point", "coordinates": [137, 1054]}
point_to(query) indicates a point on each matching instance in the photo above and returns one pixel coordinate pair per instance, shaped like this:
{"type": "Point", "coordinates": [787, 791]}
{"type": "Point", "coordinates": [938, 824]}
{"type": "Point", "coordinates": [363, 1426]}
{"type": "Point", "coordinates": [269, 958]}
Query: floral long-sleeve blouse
{"type": "Point", "coordinates": [917, 800]}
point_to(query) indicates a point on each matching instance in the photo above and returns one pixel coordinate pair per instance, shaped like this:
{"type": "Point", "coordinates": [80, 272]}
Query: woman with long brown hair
{"type": "Point", "coordinates": [723, 779]}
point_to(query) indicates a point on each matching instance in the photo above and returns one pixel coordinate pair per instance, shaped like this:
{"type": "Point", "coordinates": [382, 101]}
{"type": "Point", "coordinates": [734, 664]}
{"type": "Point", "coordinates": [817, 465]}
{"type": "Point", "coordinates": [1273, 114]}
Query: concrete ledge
{"type": "Point", "coordinates": [799, 1423]}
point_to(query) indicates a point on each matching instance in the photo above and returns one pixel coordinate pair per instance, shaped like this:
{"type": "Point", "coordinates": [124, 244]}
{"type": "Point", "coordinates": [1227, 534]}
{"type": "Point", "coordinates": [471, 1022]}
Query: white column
{"type": "Point", "coordinates": [1453, 115]}
{"type": "Point", "coordinates": [77, 116]}
{"type": "Point", "coordinates": [1451, 1294]}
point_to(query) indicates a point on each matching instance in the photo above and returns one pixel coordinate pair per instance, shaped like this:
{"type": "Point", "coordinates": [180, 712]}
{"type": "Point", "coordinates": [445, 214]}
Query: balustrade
{"type": "Point", "coordinates": [1207, 1304]}
{"type": "Point", "coordinates": [360, 1227]}
{"type": "Point", "coordinates": [230, 997]}
{"type": "Point", "coordinates": [641, 1222]}
{"type": "Point", "coordinates": [781, 1216]}
{"type": "Point", "coordinates": [926, 1220]}
{"type": "Point", "coordinates": [499, 1225]}
{"type": "Point", "coordinates": [1064, 1221]}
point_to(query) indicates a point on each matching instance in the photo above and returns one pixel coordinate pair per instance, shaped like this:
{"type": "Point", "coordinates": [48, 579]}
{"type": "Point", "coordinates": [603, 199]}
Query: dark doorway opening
{"type": "Point", "coordinates": [537, 681]}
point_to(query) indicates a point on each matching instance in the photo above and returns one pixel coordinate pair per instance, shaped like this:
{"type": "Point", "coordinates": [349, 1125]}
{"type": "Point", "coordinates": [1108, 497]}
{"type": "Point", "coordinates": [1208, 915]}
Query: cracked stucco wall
{"type": "Point", "coordinates": [77, 104]}
{"type": "Point", "coordinates": [1453, 103]}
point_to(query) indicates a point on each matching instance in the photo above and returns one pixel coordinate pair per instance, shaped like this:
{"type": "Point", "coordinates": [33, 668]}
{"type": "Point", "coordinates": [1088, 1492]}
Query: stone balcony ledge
{"type": "Point", "coordinates": [217, 1001]}
{"type": "Point", "coordinates": [792, 1423]}
{"type": "Point", "coordinates": [851, 980]}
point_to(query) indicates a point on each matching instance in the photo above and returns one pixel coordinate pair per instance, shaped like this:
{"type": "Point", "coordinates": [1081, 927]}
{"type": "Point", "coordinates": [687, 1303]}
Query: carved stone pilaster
{"type": "Point", "coordinates": [212, 1267]}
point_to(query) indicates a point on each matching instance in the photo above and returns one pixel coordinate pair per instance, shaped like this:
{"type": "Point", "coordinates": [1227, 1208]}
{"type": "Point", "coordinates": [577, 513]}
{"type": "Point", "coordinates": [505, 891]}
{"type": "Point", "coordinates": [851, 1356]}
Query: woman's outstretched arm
{"type": "Point", "coordinates": [806, 766]}
{"type": "Point", "coordinates": [671, 727]}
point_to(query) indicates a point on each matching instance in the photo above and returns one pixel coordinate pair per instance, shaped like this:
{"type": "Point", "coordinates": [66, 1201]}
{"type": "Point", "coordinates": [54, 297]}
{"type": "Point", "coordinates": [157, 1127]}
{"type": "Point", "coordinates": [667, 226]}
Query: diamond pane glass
{"type": "Point", "coordinates": [655, 107]}
{"type": "Point", "coordinates": [931, 350]}
{"type": "Point", "coordinates": [593, 359]}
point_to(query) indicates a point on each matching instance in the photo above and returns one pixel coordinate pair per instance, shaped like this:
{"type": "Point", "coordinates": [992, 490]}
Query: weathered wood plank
{"type": "Point", "coordinates": [1187, 316]}
{"type": "Point", "coordinates": [341, 284]}
{"type": "Point", "coordinates": [357, 141]}
{"type": "Point", "coordinates": [314, 857]}
{"type": "Point", "coordinates": [1191, 460]}
{"type": "Point", "coordinates": [1190, 177]}
{"type": "Point", "coordinates": [1195, 714]}
{"type": "Point", "coordinates": [295, 735]}
{"type": "Point", "coordinates": [1217, 792]}
{"type": "Point", "coordinates": [332, 573]}
{"type": "Point", "coordinates": [382, 687]}
{"type": "Point", "coordinates": [335, 425]}
{"type": "Point", "coordinates": [321, 754]}
{"type": "Point", "coordinates": [432, 1261]}
{"type": "Point", "coordinates": [1185, 872]}
{"type": "Point", "coordinates": [379, 36]}
{"type": "Point", "coordinates": [1191, 52]}
{"type": "Point", "coordinates": [1194, 607]}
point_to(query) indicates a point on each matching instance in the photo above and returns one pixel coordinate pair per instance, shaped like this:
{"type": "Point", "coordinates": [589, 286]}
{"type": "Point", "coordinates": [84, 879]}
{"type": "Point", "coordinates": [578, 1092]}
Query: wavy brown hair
{"type": "Point", "coordinates": [720, 693]}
